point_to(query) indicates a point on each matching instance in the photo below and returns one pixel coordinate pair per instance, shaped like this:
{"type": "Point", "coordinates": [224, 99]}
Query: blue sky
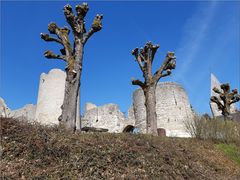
{"type": "Point", "coordinates": [205, 36]}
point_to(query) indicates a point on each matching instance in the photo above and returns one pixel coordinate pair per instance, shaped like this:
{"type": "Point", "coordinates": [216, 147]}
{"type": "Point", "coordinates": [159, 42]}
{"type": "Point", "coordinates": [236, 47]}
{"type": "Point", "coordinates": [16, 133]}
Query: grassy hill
{"type": "Point", "coordinates": [31, 151]}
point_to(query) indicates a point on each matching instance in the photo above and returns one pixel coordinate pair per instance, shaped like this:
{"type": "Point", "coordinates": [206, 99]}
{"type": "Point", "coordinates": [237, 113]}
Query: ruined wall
{"type": "Point", "coordinates": [27, 113]}
{"type": "Point", "coordinates": [50, 97]}
{"type": "Point", "coordinates": [172, 107]}
{"type": "Point", "coordinates": [107, 116]}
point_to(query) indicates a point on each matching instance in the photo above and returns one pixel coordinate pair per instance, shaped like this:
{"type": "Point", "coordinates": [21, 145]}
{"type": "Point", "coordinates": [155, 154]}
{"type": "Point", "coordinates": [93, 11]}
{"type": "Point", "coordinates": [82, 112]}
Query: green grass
{"type": "Point", "coordinates": [231, 150]}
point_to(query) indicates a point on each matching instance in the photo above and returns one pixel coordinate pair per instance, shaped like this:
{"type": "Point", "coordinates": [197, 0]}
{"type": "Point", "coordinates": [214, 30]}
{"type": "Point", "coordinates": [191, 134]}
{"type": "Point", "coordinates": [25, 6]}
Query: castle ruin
{"type": "Point", "coordinates": [172, 105]}
{"type": "Point", "coordinates": [50, 97]}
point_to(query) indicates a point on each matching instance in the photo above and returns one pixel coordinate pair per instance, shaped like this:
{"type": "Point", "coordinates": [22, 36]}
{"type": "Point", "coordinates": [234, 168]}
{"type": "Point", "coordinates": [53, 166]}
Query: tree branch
{"type": "Point", "coordinates": [216, 100]}
{"type": "Point", "coordinates": [51, 55]}
{"type": "Point", "coordinates": [96, 26]}
{"type": "Point", "coordinates": [139, 58]}
{"type": "Point", "coordinates": [62, 34]}
{"type": "Point", "coordinates": [138, 82]}
{"type": "Point", "coordinates": [167, 73]}
{"type": "Point", "coordinates": [225, 88]}
{"type": "Point", "coordinates": [154, 50]}
{"type": "Point", "coordinates": [81, 13]}
{"type": "Point", "coordinates": [168, 64]}
{"type": "Point", "coordinates": [235, 96]}
{"type": "Point", "coordinates": [216, 90]}
{"type": "Point", "coordinates": [48, 38]}
{"type": "Point", "coordinates": [71, 19]}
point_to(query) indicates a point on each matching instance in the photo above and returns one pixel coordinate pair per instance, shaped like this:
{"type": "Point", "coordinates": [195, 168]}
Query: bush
{"type": "Point", "coordinates": [215, 129]}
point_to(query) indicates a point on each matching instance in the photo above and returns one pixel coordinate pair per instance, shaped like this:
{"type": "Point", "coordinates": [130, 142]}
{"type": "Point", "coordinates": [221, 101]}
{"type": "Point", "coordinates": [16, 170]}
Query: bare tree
{"type": "Point", "coordinates": [72, 55]}
{"type": "Point", "coordinates": [225, 99]}
{"type": "Point", "coordinates": [145, 57]}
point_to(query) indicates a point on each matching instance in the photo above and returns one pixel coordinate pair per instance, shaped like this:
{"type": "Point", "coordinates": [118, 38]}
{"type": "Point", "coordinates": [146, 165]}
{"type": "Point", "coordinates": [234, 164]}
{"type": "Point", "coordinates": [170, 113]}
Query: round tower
{"type": "Point", "coordinates": [172, 108]}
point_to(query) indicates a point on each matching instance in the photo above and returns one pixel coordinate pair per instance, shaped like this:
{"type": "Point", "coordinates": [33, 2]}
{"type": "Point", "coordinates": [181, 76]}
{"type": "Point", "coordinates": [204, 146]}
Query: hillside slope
{"type": "Point", "coordinates": [33, 151]}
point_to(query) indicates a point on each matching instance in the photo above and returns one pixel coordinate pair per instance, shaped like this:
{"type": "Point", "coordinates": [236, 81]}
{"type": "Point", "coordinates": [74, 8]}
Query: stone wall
{"type": "Point", "coordinates": [25, 113]}
{"type": "Point", "coordinates": [172, 107]}
{"type": "Point", "coordinates": [107, 116]}
{"type": "Point", "coordinates": [50, 97]}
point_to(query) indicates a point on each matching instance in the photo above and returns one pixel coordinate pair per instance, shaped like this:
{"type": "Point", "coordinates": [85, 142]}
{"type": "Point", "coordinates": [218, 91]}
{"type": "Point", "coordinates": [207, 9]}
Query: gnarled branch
{"type": "Point", "coordinates": [216, 100]}
{"type": "Point", "coordinates": [138, 82]}
{"type": "Point", "coordinates": [70, 17]}
{"type": "Point", "coordinates": [216, 90]}
{"type": "Point", "coordinates": [168, 64]}
{"type": "Point", "coordinates": [81, 13]}
{"type": "Point", "coordinates": [96, 26]}
{"type": "Point", "coordinates": [139, 58]}
{"type": "Point", "coordinates": [48, 38]}
{"type": "Point", "coordinates": [62, 34]}
{"type": "Point", "coordinates": [167, 73]}
{"type": "Point", "coordinates": [51, 55]}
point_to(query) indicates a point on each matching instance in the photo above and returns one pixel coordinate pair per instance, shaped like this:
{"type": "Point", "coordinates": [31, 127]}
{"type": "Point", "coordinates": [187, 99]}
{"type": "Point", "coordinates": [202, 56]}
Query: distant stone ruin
{"type": "Point", "coordinates": [50, 97]}
{"type": "Point", "coordinates": [173, 108]}
{"type": "Point", "coordinates": [107, 116]}
{"type": "Point", "coordinates": [27, 112]}
{"type": "Point", "coordinates": [214, 108]}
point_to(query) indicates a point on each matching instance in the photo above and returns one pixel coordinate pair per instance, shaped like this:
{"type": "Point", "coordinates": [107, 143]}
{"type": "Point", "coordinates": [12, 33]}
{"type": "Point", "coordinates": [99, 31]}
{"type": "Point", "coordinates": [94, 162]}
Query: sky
{"type": "Point", "coordinates": [205, 36]}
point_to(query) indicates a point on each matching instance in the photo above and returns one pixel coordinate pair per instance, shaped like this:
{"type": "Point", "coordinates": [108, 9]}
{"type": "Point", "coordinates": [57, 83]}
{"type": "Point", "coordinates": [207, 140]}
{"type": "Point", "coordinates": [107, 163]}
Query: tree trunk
{"type": "Point", "coordinates": [150, 104]}
{"type": "Point", "coordinates": [72, 86]}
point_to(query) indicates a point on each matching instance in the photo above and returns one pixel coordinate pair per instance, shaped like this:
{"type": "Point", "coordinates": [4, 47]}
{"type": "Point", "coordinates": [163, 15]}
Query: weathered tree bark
{"type": "Point", "coordinates": [145, 58]}
{"type": "Point", "coordinates": [72, 56]}
{"type": "Point", "coordinates": [226, 98]}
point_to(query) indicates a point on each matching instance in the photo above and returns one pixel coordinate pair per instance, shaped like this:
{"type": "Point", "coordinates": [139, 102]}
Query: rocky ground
{"type": "Point", "coordinates": [31, 151]}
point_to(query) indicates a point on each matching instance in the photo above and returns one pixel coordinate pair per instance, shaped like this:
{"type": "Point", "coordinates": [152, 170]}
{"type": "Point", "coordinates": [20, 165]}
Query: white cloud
{"type": "Point", "coordinates": [194, 33]}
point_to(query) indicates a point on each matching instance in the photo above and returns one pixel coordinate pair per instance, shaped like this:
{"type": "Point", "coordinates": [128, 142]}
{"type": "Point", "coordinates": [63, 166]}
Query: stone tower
{"type": "Point", "coordinates": [50, 97]}
{"type": "Point", "coordinates": [172, 107]}
{"type": "Point", "coordinates": [215, 111]}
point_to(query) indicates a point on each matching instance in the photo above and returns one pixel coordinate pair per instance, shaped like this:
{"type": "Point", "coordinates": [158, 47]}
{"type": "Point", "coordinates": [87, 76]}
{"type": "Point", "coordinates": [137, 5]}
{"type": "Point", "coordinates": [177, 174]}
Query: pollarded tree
{"type": "Point", "coordinates": [72, 55]}
{"type": "Point", "coordinates": [225, 99]}
{"type": "Point", "coordinates": [145, 57]}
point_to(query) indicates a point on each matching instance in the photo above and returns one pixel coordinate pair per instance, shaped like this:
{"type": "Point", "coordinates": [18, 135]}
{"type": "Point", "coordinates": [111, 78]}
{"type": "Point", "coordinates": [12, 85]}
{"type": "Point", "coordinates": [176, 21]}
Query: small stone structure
{"type": "Point", "coordinates": [107, 116]}
{"type": "Point", "coordinates": [50, 97]}
{"type": "Point", "coordinates": [172, 108]}
{"type": "Point", "coordinates": [214, 108]}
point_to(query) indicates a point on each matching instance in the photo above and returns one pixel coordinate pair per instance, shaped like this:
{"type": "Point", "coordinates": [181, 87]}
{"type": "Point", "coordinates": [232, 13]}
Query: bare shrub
{"type": "Point", "coordinates": [215, 129]}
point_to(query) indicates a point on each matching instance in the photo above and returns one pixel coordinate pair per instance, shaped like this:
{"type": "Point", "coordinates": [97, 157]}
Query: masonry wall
{"type": "Point", "coordinates": [107, 116]}
{"type": "Point", "coordinates": [172, 107]}
{"type": "Point", "coordinates": [50, 97]}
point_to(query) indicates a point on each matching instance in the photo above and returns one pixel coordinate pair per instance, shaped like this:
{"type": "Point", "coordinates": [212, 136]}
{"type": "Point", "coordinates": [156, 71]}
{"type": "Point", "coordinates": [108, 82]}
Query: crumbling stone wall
{"type": "Point", "coordinates": [25, 113]}
{"type": "Point", "coordinates": [50, 97]}
{"type": "Point", "coordinates": [107, 116]}
{"type": "Point", "coordinates": [172, 107]}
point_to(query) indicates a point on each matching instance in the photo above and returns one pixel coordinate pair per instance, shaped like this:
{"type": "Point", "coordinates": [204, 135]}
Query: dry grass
{"type": "Point", "coordinates": [214, 129]}
{"type": "Point", "coordinates": [37, 152]}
